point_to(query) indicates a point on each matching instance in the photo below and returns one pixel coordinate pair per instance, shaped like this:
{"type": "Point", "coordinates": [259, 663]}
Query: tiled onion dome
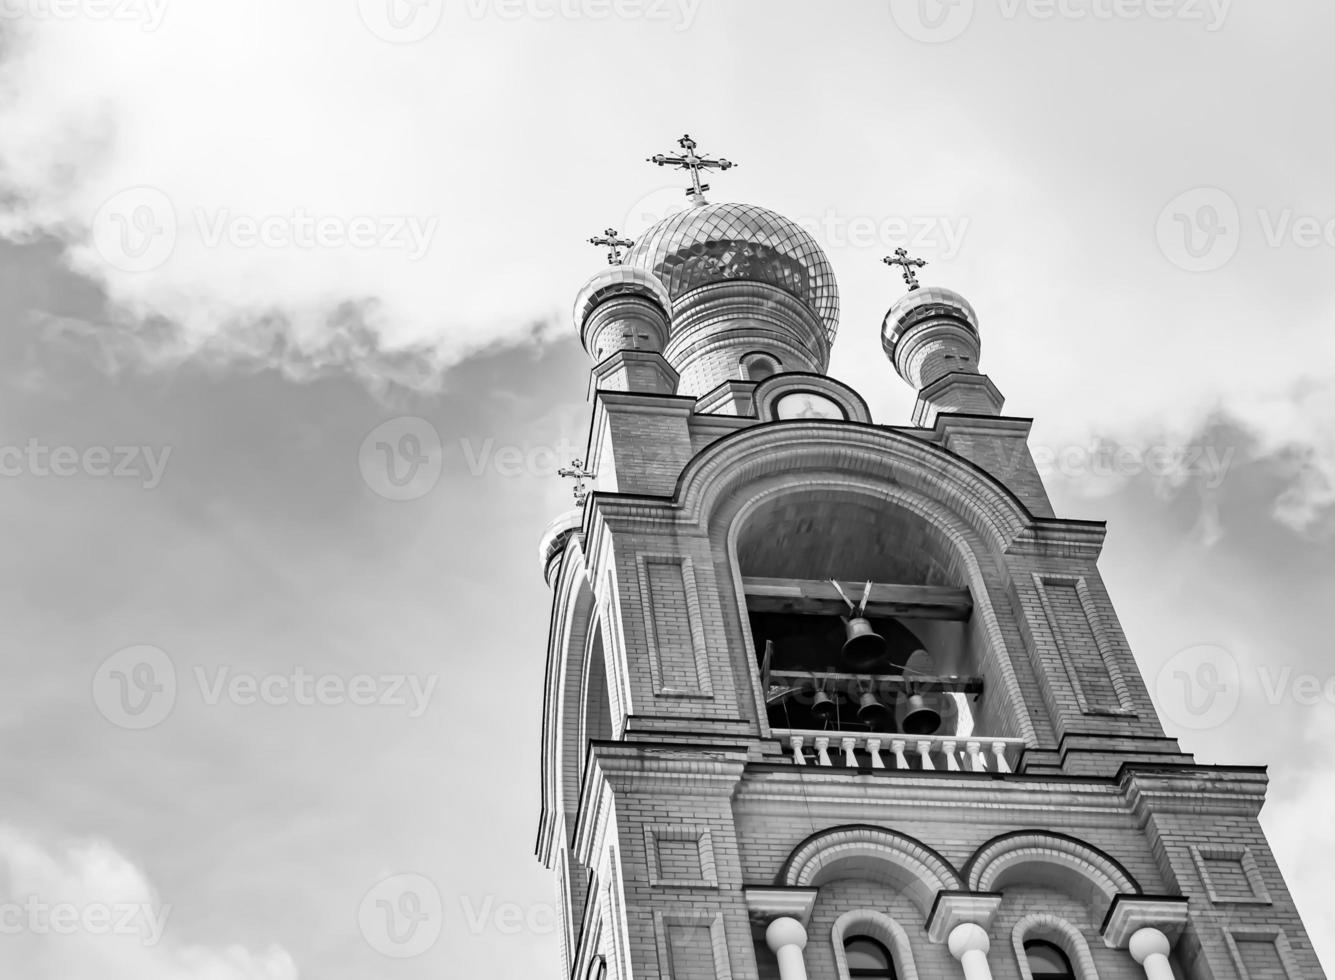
{"type": "Point", "coordinates": [618, 280]}
{"type": "Point", "coordinates": [730, 242]}
{"type": "Point", "coordinates": [920, 304]}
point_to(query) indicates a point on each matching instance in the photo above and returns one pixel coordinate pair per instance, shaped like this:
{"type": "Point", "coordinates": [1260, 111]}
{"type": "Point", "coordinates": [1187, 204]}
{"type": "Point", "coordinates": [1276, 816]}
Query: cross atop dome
{"type": "Point", "coordinates": [910, 266]}
{"type": "Point", "coordinates": [614, 243]}
{"type": "Point", "coordinates": [690, 161]}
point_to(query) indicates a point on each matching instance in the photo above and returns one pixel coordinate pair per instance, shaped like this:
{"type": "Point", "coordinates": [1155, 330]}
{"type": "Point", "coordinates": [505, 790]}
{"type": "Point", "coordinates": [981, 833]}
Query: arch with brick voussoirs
{"type": "Point", "coordinates": [1043, 857]}
{"type": "Point", "coordinates": [964, 518]}
{"type": "Point", "coordinates": [875, 854]}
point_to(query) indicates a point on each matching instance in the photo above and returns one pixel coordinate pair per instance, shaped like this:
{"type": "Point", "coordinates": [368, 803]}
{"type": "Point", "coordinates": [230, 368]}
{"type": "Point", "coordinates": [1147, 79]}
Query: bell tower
{"type": "Point", "coordinates": [833, 699]}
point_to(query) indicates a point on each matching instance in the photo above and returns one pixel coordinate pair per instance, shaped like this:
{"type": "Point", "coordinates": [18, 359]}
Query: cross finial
{"type": "Point", "coordinates": [901, 258]}
{"type": "Point", "coordinates": [614, 244]}
{"type": "Point", "coordinates": [576, 471]}
{"type": "Point", "coordinates": [689, 161]}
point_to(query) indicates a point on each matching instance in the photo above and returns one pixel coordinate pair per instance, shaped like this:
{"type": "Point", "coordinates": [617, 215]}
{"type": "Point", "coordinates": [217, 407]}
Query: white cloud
{"type": "Point", "coordinates": [82, 911]}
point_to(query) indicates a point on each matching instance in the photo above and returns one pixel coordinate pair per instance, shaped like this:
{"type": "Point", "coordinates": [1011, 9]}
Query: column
{"type": "Point", "coordinates": [786, 938]}
{"type": "Point", "coordinates": [1149, 947]}
{"type": "Point", "coordinates": [969, 944]}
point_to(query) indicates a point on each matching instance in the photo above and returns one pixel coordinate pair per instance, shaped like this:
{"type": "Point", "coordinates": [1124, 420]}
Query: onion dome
{"type": "Point", "coordinates": [714, 243]}
{"type": "Point", "coordinates": [925, 303]}
{"type": "Point", "coordinates": [620, 280]}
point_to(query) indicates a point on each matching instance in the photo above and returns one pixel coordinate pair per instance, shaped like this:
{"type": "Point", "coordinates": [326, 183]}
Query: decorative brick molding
{"type": "Point", "coordinates": [670, 601]}
{"type": "Point", "coordinates": [874, 853]}
{"type": "Point", "coordinates": [1007, 858]}
{"type": "Point", "coordinates": [698, 855]}
{"type": "Point", "coordinates": [1082, 641]}
{"type": "Point", "coordinates": [1240, 856]}
{"type": "Point", "coordinates": [1056, 930]}
{"type": "Point", "coordinates": [766, 904]}
{"type": "Point", "coordinates": [673, 930]}
{"type": "Point", "coordinates": [1272, 943]}
{"type": "Point", "coordinates": [882, 928]}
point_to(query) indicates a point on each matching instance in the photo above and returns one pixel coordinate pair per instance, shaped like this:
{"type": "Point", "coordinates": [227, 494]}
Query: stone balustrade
{"type": "Point", "coordinates": [891, 750]}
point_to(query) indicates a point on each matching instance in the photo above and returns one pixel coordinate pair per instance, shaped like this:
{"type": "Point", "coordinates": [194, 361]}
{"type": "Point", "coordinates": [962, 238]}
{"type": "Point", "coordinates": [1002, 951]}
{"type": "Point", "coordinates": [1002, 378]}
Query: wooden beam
{"type": "Point", "coordinates": [889, 683]}
{"type": "Point", "coordinates": [814, 597]}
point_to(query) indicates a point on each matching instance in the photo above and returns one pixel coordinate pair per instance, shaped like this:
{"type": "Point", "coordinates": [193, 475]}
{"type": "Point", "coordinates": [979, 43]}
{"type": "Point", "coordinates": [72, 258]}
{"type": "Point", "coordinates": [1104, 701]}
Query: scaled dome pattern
{"type": "Point", "coordinates": [739, 242]}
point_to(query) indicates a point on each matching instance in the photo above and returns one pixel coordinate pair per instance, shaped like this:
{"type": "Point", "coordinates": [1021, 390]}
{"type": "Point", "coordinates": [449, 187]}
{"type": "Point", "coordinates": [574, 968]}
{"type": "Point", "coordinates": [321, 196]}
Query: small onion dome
{"type": "Point", "coordinates": [619, 280]}
{"type": "Point", "coordinates": [556, 537]}
{"type": "Point", "coordinates": [729, 242]}
{"type": "Point", "coordinates": [925, 303]}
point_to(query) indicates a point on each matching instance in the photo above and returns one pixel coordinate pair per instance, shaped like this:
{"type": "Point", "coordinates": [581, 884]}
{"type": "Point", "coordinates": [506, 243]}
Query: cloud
{"type": "Point", "coordinates": [82, 911]}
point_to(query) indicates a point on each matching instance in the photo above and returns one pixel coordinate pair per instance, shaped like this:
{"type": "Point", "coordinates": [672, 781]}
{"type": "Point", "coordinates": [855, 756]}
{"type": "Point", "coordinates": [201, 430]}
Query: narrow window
{"type": "Point", "coordinates": [1047, 961]}
{"type": "Point", "coordinates": [868, 959]}
{"type": "Point", "coordinates": [758, 367]}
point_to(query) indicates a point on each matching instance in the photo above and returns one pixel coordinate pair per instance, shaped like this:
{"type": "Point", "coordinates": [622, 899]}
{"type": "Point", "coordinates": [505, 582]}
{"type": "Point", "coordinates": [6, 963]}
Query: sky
{"type": "Point", "coordinates": [249, 248]}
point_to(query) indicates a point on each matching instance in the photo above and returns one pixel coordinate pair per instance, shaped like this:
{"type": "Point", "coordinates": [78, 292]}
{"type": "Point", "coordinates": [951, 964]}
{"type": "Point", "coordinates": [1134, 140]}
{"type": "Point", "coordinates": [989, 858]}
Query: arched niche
{"type": "Point", "coordinates": [1050, 860]}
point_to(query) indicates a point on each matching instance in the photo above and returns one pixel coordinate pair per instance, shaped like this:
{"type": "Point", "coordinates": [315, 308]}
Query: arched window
{"type": "Point", "coordinates": [1047, 961]}
{"type": "Point", "coordinates": [868, 959]}
{"type": "Point", "coordinates": [758, 367]}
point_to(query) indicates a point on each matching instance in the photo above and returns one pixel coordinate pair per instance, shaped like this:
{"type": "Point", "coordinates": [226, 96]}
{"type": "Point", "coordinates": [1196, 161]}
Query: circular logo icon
{"type": "Point", "coordinates": [401, 21]}
{"type": "Point", "coordinates": [402, 916]}
{"type": "Point", "coordinates": [135, 230]}
{"type": "Point", "coordinates": [1200, 229]}
{"type": "Point", "coordinates": [402, 459]}
{"type": "Point", "coordinates": [654, 207]}
{"type": "Point", "coordinates": [135, 687]}
{"type": "Point", "coordinates": [1199, 688]}
{"type": "Point", "coordinates": [932, 21]}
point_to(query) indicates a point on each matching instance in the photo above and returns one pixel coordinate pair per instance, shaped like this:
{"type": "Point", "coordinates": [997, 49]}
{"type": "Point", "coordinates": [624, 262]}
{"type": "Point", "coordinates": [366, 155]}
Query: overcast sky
{"type": "Point", "coordinates": [239, 240]}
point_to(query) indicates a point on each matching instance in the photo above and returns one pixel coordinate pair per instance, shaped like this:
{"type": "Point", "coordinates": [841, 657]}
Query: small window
{"type": "Point", "coordinates": [868, 959]}
{"type": "Point", "coordinates": [758, 367]}
{"type": "Point", "coordinates": [1047, 961]}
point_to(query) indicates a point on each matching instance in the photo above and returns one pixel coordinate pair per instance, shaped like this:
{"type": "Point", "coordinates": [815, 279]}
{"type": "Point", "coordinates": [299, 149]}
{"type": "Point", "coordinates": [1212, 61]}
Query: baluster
{"type": "Point", "coordinates": [897, 747]}
{"type": "Point", "coordinates": [925, 750]}
{"type": "Point", "coordinates": [796, 742]}
{"type": "Point", "coordinates": [999, 751]}
{"type": "Point", "coordinates": [874, 747]}
{"type": "Point", "coordinates": [850, 760]}
{"type": "Point", "coordinates": [952, 760]}
{"type": "Point", "coordinates": [979, 764]}
{"type": "Point", "coordinates": [823, 752]}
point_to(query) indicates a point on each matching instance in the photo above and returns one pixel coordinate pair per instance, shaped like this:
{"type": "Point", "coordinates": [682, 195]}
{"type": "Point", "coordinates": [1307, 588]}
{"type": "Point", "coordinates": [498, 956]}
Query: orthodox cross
{"type": "Point", "coordinates": [613, 243]}
{"type": "Point", "coordinates": [579, 474]}
{"type": "Point", "coordinates": [689, 161]}
{"type": "Point", "coordinates": [901, 258]}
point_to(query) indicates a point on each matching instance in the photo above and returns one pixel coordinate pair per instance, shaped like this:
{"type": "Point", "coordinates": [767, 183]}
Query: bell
{"type": "Point", "coordinates": [873, 714]}
{"type": "Point", "coordinates": [919, 717]}
{"type": "Point", "coordinates": [823, 706]}
{"type": "Point", "coordinates": [864, 647]}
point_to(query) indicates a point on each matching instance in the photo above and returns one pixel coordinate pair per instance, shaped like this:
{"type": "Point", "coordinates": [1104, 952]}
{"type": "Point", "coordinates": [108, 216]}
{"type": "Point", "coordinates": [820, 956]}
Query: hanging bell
{"type": "Point", "coordinates": [919, 718]}
{"type": "Point", "coordinates": [823, 706]}
{"type": "Point", "coordinates": [873, 714]}
{"type": "Point", "coordinates": [864, 647]}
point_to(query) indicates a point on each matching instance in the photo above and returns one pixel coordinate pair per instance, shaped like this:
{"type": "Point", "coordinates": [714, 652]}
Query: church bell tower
{"type": "Point", "coordinates": [836, 699]}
